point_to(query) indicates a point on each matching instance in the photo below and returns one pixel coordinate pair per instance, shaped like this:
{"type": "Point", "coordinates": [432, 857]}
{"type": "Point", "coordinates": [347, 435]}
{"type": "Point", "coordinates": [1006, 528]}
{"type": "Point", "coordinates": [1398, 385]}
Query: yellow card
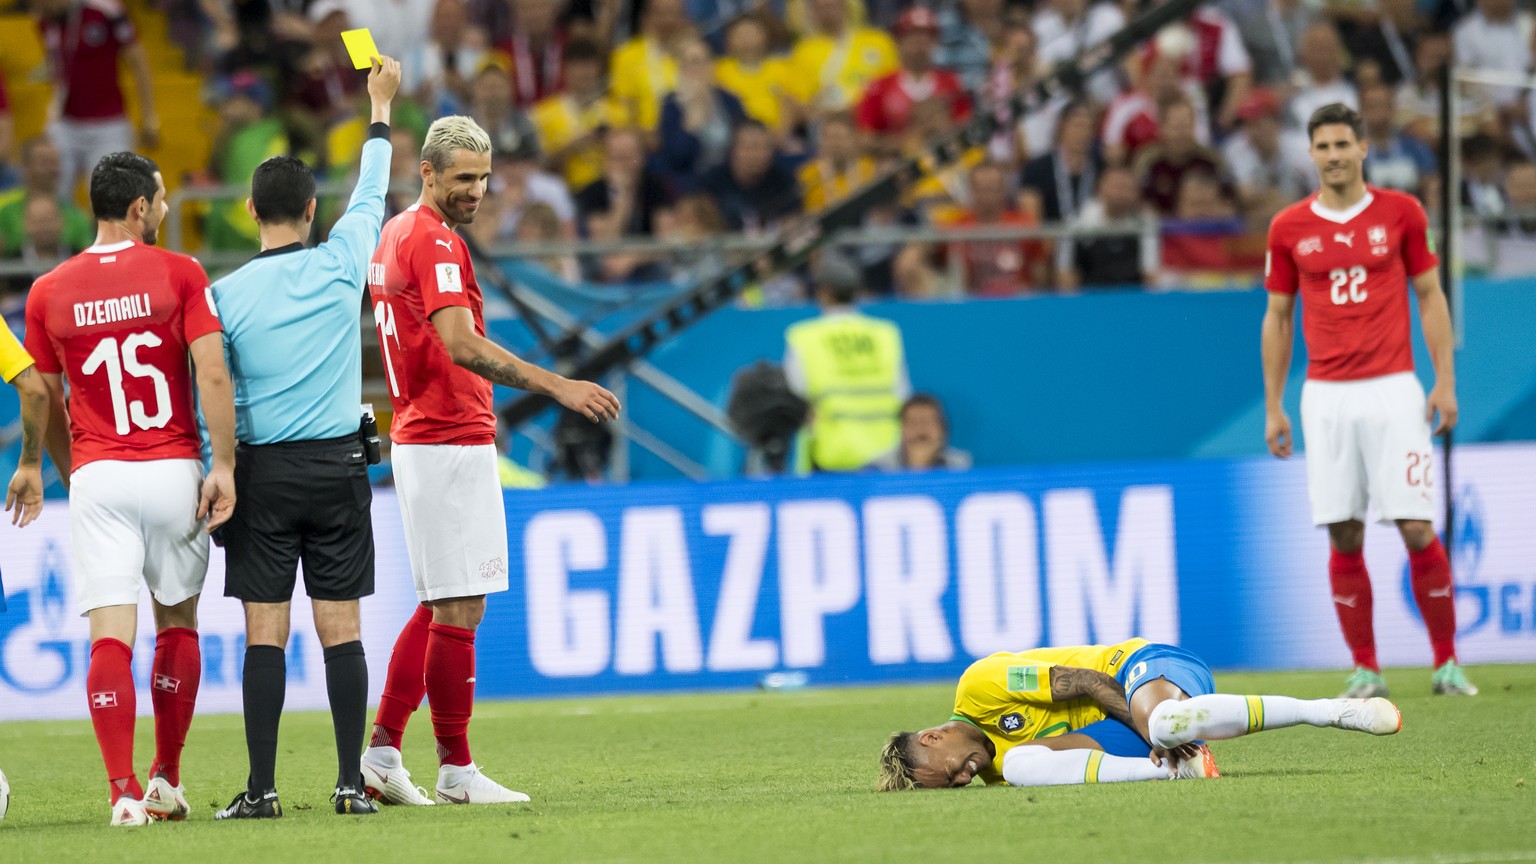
{"type": "Point", "coordinates": [360, 47]}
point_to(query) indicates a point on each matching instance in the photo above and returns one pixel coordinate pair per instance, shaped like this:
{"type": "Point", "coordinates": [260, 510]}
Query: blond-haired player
{"type": "Point", "coordinates": [441, 368]}
{"type": "Point", "coordinates": [1135, 710]}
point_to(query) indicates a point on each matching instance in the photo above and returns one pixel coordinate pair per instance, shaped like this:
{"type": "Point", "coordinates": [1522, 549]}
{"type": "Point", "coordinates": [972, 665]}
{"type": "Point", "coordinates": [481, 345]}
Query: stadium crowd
{"type": "Point", "coordinates": [682, 119]}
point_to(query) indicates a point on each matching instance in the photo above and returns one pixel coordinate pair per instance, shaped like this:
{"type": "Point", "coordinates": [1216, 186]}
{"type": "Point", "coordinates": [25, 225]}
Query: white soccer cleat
{"type": "Point", "coordinates": [165, 802]}
{"type": "Point", "coordinates": [129, 813]}
{"type": "Point", "coordinates": [1375, 715]}
{"type": "Point", "coordinates": [387, 781]}
{"type": "Point", "coordinates": [1202, 767]}
{"type": "Point", "coordinates": [466, 785]}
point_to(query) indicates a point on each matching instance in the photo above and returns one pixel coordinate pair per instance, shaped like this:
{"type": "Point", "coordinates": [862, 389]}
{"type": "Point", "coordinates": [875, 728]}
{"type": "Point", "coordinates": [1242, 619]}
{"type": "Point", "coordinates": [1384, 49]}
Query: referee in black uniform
{"type": "Point", "coordinates": [291, 330]}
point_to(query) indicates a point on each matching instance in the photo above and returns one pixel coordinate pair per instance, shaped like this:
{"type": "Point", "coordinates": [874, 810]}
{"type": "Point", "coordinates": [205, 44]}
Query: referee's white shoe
{"type": "Point", "coordinates": [464, 784]}
{"type": "Point", "coordinates": [387, 781]}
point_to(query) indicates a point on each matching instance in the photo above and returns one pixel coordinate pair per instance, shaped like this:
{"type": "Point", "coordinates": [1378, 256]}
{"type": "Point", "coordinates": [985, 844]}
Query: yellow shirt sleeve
{"type": "Point", "coordinates": [550, 119]}
{"type": "Point", "coordinates": [805, 67]}
{"type": "Point", "coordinates": [993, 685]}
{"type": "Point", "coordinates": [13, 358]}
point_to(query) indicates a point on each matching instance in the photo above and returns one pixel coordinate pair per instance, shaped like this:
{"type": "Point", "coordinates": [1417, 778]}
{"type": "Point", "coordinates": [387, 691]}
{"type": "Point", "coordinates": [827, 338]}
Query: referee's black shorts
{"type": "Point", "coordinates": [299, 501]}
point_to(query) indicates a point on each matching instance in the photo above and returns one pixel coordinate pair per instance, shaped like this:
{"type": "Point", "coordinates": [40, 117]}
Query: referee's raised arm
{"type": "Point", "coordinates": [291, 331]}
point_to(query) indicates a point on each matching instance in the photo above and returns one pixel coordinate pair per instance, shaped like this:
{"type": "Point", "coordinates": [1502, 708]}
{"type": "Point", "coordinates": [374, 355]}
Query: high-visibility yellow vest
{"type": "Point", "coordinates": [852, 366]}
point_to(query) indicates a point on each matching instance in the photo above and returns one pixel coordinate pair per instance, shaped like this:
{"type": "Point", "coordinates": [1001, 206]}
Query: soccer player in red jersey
{"type": "Point", "coordinates": [440, 368]}
{"type": "Point", "coordinates": [117, 322]}
{"type": "Point", "coordinates": [86, 40]}
{"type": "Point", "coordinates": [1349, 251]}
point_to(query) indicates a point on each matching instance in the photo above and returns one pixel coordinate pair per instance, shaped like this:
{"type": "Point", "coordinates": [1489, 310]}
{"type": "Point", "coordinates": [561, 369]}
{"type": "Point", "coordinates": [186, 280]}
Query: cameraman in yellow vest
{"type": "Point", "coordinates": [852, 369]}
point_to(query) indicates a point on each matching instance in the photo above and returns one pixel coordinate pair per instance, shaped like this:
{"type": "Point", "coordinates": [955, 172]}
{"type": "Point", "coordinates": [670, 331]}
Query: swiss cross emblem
{"type": "Point", "coordinates": [1377, 235]}
{"type": "Point", "coordinates": [167, 683]}
{"type": "Point", "coordinates": [104, 700]}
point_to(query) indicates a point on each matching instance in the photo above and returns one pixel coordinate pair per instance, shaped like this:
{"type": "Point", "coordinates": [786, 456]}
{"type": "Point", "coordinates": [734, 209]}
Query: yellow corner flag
{"type": "Point", "coordinates": [360, 47]}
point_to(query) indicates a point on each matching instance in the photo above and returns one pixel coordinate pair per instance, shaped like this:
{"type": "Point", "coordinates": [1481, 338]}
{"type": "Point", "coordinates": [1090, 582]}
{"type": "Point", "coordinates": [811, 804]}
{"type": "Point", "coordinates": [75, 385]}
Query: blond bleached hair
{"type": "Point", "coordinates": [454, 132]}
{"type": "Point", "coordinates": [898, 763]}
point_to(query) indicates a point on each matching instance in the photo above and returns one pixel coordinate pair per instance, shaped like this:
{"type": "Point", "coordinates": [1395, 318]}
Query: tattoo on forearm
{"type": "Point", "coordinates": [1068, 683]}
{"type": "Point", "coordinates": [506, 374]}
{"type": "Point", "coordinates": [31, 443]}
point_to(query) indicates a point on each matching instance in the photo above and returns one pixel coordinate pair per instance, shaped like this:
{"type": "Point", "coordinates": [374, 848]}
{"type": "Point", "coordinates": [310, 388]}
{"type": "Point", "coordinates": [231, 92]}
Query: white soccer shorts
{"type": "Point", "coordinates": [455, 518]}
{"type": "Point", "coordinates": [1368, 448]}
{"type": "Point", "coordinates": [135, 523]}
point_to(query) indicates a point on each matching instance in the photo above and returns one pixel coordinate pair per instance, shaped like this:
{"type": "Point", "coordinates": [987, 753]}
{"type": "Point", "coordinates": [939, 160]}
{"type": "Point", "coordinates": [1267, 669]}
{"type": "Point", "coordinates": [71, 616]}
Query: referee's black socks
{"type": "Point", "coordinates": [346, 683]}
{"type": "Point", "coordinates": [263, 687]}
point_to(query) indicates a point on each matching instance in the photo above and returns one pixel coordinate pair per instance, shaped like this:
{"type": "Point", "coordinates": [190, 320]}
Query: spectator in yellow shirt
{"type": "Point", "coordinates": [833, 66]}
{"type": "Point", "coordinates": [571, 122]}
{"type": "Point", "coordinates": [644, 69]}
{"type": "Point", "coordinates": [761, 82]}
{"type": "Point", "coordinates": [838, 168]}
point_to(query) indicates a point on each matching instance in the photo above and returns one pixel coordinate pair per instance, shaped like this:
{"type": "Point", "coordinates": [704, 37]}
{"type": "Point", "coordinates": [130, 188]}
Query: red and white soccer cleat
{"type": "Point", "coordinates": [1202, 767]}
{"type": "Point", "coordinates": [129, 813]}
{"type": "Point", "coordinates": [165, 802]}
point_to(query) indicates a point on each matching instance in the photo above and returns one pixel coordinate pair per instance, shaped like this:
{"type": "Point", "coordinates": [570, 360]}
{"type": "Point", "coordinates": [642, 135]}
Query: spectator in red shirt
{"type": "Point", "coordinates": [992, 268]}
{"type": "Point", "coordinates": [85, 39]}
{"type": "Point", "coordinates": [537, 48]}
{"type": "Point", "coordinates": [886, 109]}
{"type": "Point", "coordinates": [1163, 164]}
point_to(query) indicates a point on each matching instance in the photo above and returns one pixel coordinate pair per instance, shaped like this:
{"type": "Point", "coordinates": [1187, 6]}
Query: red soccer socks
{"type": "Point", "coordinates": [405, 685]}
{"type": "Point", "coordinates": [450, 674]}
{"type": "Point", "coordinates": [110, 696]}
{"type": "Point", "coordinates": [1429, 572]}
{"type": "Point", "coordinates": [1352, 601]}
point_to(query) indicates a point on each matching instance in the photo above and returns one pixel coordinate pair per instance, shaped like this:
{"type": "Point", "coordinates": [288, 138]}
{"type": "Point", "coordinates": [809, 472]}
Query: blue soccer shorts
{"type": "Point", "coordinates": [1151, 662]}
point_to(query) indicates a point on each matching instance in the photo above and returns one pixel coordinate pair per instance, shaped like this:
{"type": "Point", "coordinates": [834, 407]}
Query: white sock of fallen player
{"type": "Point", "coordinates": [1033, 765]}
{"type": "Point", "coordinates": [1217, 716]}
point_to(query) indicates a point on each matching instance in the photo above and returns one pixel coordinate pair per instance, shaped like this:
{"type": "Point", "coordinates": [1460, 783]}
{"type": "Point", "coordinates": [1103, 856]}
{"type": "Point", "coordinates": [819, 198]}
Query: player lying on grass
{"type": "Point", "coordinates": [1136, 710]}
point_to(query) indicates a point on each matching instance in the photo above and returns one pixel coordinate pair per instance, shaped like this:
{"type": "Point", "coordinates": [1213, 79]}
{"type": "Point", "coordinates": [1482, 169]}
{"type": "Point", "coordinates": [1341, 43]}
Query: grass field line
{"type": "Point", "coordinates": [1450, 858]}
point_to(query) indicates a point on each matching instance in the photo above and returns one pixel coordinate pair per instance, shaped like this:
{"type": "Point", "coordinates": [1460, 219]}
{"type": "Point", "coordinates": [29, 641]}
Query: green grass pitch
{"type": "Point", "coordinates": [787, 777]}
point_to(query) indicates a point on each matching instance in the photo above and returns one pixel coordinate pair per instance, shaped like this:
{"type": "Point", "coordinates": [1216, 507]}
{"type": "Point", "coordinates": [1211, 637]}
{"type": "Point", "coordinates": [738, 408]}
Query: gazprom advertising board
{"type": "Point", "coordinates": [860, 580]}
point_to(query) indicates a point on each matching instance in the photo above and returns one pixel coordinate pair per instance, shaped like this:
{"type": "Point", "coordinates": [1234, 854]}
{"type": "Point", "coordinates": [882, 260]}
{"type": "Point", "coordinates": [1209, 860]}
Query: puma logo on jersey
{"type": "Point", "coordinates": [1347, 239]}
{"type": "Point", "coordinates": [446, 244]}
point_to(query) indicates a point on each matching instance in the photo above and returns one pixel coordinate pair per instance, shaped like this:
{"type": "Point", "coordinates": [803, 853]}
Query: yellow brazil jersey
{"type": "Point", "coordinates": [941, 190]}
{"type": "Point", "coordinates": [13, 358]}
{"type": "Point", "coordinates": [760, 90]}
{"type": "Point", "coordinates": [642, 75]}
{"type": "Point", "coordinates": [823, 184]}
{"type": "Point", "coordinates": [560, 121]}
{"type": "Point", "coordinates": [831, 74]}
{"type": "Point", "coordinates": [798, 18]}
{"type": "Point", "coordinates": [1008, 695]}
